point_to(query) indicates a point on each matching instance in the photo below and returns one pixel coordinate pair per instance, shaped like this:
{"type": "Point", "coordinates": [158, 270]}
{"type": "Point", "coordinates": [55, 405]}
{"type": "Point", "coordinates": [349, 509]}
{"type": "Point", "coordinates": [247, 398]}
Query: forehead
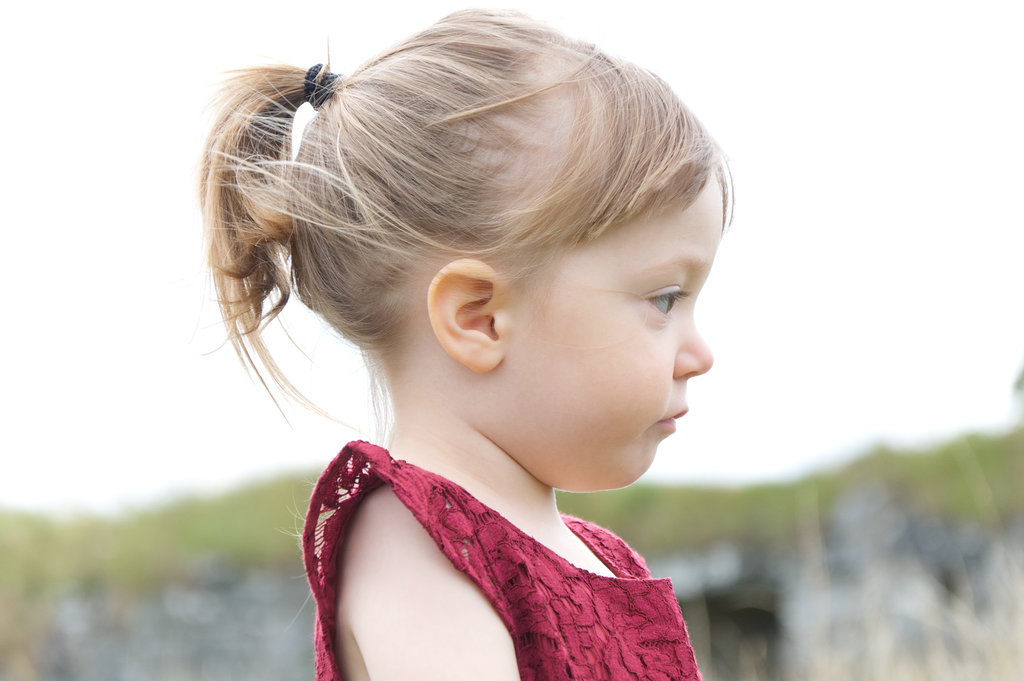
{"type": "Point", "coordinates": [672, 240]}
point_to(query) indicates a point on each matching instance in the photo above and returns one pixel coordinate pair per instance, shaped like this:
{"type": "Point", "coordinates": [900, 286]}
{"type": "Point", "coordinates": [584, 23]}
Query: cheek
{"type": "Point", "coordinates": [588, 320]}
{"type": "Point", "coordinates": [618, 386]}
{"type": "Point", "coordinates": [590, 363]}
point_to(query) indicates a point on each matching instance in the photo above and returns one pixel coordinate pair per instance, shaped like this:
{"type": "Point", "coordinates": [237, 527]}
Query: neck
{"type": "Point", "coordinates": [442, 411]}
{"type": "Point", "coordinates": [433, 440]}
{"type": "Point", "coordinates": [442, 421]}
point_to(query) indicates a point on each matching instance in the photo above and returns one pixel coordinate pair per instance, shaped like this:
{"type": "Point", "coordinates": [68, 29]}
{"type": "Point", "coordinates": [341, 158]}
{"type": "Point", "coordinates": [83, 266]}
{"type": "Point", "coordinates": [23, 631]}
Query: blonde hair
{"type": "Point", "coordinates": [487, 135]}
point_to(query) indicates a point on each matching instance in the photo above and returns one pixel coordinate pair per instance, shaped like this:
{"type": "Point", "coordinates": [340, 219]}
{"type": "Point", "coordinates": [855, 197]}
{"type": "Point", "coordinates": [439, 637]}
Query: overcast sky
{"type": "Point", "coordinates": [869, 290]}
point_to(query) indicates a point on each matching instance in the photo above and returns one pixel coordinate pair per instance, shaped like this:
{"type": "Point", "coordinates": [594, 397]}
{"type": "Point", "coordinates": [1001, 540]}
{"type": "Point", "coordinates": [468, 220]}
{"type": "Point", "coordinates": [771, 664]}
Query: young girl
{"type": "Point", "coordinates": [513, 227]}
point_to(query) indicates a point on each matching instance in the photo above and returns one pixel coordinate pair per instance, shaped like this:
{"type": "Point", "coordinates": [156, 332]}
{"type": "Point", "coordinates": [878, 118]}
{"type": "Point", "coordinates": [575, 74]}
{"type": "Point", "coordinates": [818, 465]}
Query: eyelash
{"type": "Point", "coordinates": [664, 302]}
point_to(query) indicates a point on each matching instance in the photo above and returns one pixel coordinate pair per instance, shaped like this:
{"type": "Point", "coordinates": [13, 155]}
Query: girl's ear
{"type": "Point", "coordinates": [467, 306]}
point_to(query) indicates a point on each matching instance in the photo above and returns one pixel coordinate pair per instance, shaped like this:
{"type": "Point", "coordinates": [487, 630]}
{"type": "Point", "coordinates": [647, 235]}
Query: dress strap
{"type": "Point", "coordinates": [356, 471]}
{"type": "Point", "coordinates": [613, 552]}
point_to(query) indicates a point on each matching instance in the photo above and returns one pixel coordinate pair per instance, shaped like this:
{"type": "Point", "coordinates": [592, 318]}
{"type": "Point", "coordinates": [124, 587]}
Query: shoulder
{"type": "Point", "coordinates": [406, 609]}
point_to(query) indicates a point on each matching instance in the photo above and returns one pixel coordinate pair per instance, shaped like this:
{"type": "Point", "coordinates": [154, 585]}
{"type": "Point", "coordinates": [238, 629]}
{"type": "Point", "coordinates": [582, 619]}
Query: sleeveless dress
{"type": "Point", "coordinates": [565, 622]}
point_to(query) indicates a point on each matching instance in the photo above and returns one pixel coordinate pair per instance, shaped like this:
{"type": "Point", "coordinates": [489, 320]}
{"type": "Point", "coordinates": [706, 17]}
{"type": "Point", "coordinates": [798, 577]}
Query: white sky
{"type": "Point", "coordinates": [870, 289]}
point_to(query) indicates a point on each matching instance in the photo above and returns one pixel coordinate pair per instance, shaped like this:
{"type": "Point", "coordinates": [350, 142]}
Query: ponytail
{"type": "Point", "coordinates": [248, 233]}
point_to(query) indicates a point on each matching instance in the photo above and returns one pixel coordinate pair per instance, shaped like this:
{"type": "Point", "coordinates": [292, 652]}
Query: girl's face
{"type": "Point", "coordinates": [596, 377]}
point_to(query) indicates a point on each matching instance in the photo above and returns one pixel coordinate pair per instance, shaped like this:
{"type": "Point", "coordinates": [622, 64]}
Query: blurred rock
{"type": "Point", "coordinates": [873, 574]}
{"type": "Point", "coordinates": [219, 626]}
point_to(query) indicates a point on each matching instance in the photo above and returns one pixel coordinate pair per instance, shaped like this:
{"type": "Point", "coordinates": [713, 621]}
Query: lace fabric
{"type": "Point", "coordinates": [565, 622]}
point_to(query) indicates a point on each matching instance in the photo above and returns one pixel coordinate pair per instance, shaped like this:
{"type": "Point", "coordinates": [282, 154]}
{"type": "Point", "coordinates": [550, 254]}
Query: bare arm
{"type": "Point", "coordinates": [405, 612]}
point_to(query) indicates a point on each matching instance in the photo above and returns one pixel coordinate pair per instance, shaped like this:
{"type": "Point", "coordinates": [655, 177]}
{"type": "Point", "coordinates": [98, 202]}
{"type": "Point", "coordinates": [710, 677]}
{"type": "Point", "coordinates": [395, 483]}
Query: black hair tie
{"type": "Point", "coordinates": [318, 90]}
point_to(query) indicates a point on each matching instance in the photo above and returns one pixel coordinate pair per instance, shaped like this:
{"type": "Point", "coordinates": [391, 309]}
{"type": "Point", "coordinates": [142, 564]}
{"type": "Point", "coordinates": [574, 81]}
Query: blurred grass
{"type": "Point", "coordinates": [973, 478]}
{"type": "Point", "coordinates": [254, 526]}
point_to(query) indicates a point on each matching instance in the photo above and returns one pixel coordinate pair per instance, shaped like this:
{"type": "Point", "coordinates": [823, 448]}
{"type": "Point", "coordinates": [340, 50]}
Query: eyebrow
{"type": "Point", "coordinates": [679, 264]}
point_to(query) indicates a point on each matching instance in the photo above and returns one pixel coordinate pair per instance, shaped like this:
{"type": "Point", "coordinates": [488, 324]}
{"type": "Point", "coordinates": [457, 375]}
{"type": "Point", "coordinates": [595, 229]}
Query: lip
{"type": "Point", "coordinates": [670, 422]}
{"type": "Point", "coordinates": [680, 415]}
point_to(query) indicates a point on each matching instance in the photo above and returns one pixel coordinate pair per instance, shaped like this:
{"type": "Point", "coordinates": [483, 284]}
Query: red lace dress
{"type": "Point", "coordinates": [565, 622]}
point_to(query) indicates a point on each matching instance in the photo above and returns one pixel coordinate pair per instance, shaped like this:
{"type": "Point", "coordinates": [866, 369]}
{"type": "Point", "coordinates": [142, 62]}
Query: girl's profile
{"type": "Point", "coordinates": [513, 227]}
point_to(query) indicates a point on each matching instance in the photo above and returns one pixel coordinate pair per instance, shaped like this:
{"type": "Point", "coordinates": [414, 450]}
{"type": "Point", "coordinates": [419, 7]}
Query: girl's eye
{"type": "Point", "coordinates": [666, 301]}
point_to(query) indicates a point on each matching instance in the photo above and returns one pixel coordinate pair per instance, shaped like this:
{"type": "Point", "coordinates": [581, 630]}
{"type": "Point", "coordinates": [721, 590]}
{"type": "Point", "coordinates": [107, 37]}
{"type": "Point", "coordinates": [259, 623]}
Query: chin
{"type": "Point", "coordinates": [611, 479]}
{"type": "Point", "coordinates": [640, 466]}
{"type": "Point", "coordinates": [628, 478]}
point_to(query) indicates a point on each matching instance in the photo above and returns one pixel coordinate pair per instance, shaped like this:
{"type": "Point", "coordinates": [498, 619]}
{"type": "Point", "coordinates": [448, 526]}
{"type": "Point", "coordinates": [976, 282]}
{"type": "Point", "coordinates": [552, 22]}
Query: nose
{"type": "Point", "coordinates": [694, 356]}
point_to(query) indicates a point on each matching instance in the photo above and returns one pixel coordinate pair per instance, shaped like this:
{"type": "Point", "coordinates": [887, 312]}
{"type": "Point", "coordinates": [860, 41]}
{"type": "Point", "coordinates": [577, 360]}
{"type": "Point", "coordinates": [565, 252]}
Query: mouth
{"type": "Point", "coordinates": [670, 422]}
{"type": "Point", "coordinates": [678, 416]}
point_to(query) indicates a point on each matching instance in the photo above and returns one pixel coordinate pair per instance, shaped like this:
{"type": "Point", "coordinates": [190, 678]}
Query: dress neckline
{"type": "Point", "coordinates": [616, 566]}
